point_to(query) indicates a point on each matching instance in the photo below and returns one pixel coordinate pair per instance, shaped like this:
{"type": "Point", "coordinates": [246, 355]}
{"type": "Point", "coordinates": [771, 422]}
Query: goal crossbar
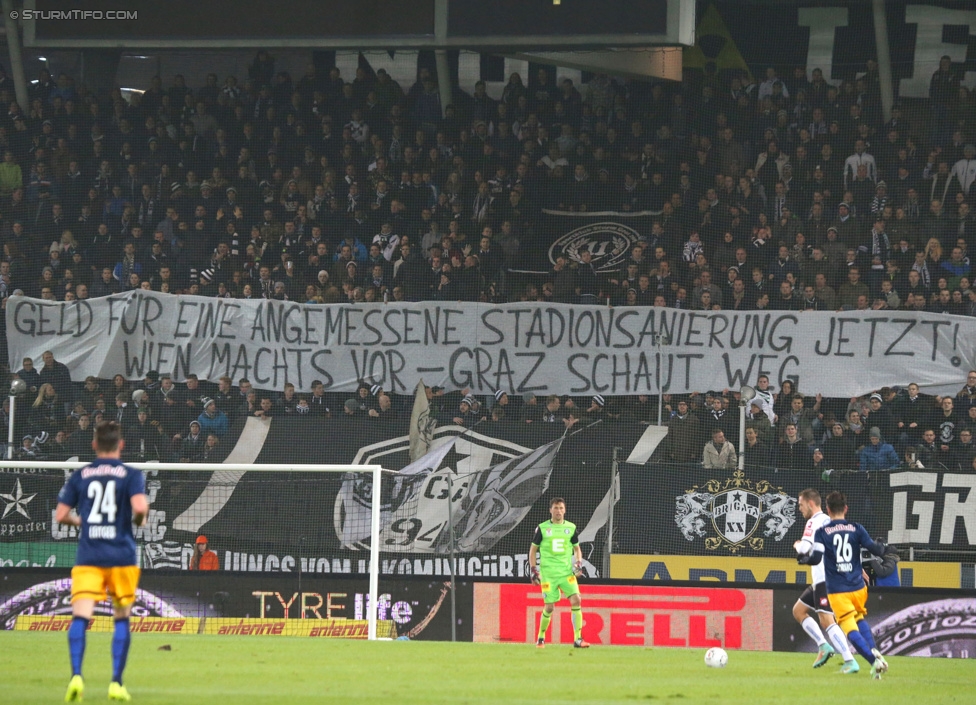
{"type": "Point", "coordinates": [375, 470]}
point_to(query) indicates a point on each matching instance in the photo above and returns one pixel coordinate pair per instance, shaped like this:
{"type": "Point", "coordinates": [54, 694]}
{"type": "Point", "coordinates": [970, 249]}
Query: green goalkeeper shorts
{"type": "Point", "coordinates": [551, 588]}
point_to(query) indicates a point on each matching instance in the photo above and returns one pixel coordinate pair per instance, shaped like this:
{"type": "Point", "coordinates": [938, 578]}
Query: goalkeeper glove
{"type": "Point", "coordinates": [536, 579]}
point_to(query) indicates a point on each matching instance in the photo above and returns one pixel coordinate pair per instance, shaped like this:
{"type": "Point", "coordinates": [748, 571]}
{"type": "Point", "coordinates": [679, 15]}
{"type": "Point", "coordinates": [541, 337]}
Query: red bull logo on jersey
{"type": "Point", "coordinates": [735, 513]}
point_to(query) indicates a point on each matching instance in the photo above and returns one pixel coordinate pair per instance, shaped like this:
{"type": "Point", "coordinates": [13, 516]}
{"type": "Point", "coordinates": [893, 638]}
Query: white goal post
{"type": "Point", "coordinates": [376, 471]}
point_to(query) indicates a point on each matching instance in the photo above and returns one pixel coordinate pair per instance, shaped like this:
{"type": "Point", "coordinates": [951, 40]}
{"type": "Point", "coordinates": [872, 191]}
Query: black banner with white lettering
{"type": "Point", "coordinates": [291, 522]}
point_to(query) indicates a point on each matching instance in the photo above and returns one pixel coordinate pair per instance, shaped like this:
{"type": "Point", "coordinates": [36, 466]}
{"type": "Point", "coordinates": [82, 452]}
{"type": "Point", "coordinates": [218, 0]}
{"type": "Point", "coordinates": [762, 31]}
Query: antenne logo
{"type": "Point", "coordinates": [16, 501]}
{"type": "Point", "coordinates": [737, 508]}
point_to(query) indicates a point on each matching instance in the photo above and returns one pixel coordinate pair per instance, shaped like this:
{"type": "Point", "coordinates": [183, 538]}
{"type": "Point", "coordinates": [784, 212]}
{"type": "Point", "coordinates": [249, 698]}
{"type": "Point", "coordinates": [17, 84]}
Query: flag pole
{"type": "Point", "coordinates": [450, 528]}
{"type": "Point", "coordinates": [614, 469]}
{"type": "Point", "coordinates": [453, 538]}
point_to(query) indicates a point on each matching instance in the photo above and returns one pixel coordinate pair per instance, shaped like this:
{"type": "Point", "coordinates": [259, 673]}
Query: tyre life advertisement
{"type": "Point", "coordinates": [936, 623]}
{"type": "Point", "coordinates": [418, 609]}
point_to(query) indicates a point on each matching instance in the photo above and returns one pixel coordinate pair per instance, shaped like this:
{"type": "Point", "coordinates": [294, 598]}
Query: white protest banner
{"type": "Point", "coordinates": [520, 347]}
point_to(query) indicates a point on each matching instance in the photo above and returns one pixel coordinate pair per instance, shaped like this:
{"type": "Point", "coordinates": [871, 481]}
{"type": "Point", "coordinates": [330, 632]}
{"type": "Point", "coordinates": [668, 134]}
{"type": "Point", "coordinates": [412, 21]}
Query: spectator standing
{"type": "Point", "coordinates": [203, 558]}
{"type": "Point", "coordinates": [877, 455]}
{"type": "Point", "coordinates": [719, 454]}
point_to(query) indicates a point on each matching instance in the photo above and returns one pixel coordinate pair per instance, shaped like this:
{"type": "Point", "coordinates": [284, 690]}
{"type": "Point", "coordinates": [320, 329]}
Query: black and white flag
{"type": "Point", "coordinates": [422, 501]}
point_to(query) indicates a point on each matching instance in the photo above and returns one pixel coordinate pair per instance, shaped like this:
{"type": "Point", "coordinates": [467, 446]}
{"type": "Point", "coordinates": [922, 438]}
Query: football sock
{"type": "Point", "coordinates": [837, 638]}
{"type": "Point", "coordinates": [862, 648]}
{"type": "Point", "coordinates": [578, 622]}
{"type": "Point", "coordinates": [865, 630]}
{"type": "Point", "coordinates": [811, 627]}
{"type": "Point", "coordinates": [120, 648]}
{"type": "Point", "coordinates": [544, 624]}
{"type": "Point", "coordinates": [76, 643]}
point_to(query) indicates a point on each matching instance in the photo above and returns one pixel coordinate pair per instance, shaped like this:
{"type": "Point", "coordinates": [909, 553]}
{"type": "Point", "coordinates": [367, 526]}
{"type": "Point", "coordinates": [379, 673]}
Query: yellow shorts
{"type": "Point", "coordinates": [551, 588]}
{"type": "Point", "coordinates": [92, 582]}
{"type": "Point", "coordinates": [849, 608]}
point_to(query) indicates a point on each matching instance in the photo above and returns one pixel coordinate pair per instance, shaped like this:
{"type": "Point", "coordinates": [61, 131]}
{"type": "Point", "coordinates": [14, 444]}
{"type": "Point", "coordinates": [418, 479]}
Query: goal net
{"type": "Point", "coordinates": [210, 519]}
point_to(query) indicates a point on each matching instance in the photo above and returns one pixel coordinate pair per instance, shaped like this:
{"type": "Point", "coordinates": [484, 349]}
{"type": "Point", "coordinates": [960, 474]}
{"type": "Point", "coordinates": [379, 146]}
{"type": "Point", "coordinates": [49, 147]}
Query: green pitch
{"type": "Point", "coordinates": [213, 670]}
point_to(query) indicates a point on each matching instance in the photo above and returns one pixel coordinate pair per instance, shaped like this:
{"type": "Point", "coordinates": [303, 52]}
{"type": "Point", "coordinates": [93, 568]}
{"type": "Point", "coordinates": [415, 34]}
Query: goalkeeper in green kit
{"type": "Point", "coordinates": [555, 561]}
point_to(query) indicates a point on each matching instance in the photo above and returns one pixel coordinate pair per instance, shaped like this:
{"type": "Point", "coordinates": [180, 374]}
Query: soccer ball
{"type": "Point", "coordinates": [716, 658]}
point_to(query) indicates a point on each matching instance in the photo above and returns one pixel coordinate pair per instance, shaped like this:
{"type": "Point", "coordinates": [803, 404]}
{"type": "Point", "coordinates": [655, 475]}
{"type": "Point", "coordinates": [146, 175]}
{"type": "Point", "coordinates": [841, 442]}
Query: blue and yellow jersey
{"type": "Point", "coordinates": [841, 542]}
{"type": "Point", "coordinates": [102, 493]}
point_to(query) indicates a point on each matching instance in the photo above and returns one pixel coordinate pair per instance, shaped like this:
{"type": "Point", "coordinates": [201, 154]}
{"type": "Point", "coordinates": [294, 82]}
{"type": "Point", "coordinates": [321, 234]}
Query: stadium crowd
{"type": "Point", "coordinates": [785, 193]}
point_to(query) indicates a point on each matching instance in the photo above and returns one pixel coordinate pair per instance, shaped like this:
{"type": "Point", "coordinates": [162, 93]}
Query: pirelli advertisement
{"type": "Point", "coordinates": [634, 615]}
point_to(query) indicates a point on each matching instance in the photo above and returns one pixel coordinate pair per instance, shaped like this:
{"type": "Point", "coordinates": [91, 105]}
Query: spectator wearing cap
{"type": "Point", "coordinates": [684, 432]}
{"type": "Point", "coordinates": [880, 414]}
{"type": "Point", "coordinates": [877, 455]}
{"type": "Point", "coordinates": [718, 453]}
{"type": "Point", "coordinates": [203, 558]}
{"type": "Point", "coordinates": [466, 413]}
{"type": "Point", "coordinates": [28, 450]}
{"type": "Point", "coordinates": [846, 227]}
{"type": "Point", "coordinates": [191, 446]}
{"type": "Point", "coordinates": [597, 407]}
{"type": "Point", "coordinates": [511, 405]}
{"type": "Point", "coordinates": [758, 420]}
{"type": "Point", "coordinates": [818, 461]}
{"type": "Point", "coordinates": [213, 420]}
